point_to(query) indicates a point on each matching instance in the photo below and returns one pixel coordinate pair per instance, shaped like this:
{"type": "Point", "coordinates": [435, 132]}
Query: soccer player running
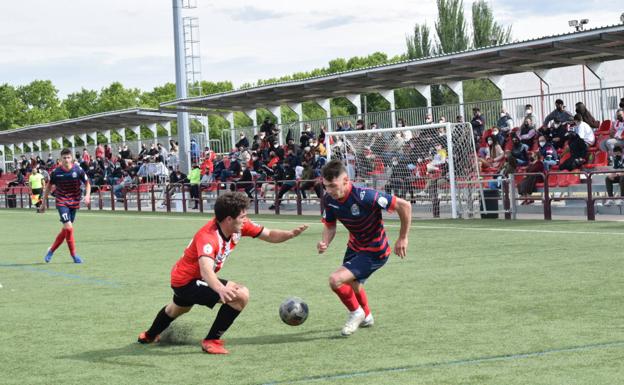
{"type": "Point", "coordinates": [194, 276]}
{"type": "Point", "coordinates": [67, 178]}
{"type": "Point", "coordinates": [359, 210]}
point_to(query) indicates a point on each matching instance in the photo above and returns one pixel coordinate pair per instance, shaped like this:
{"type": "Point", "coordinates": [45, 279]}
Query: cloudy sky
{"type": "Point", "coordinates": [92, 43]}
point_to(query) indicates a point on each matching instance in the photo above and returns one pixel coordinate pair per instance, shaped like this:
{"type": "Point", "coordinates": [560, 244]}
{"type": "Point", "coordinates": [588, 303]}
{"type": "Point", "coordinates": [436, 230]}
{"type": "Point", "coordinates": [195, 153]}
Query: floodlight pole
{"type": "Point", "coordinates": [183, 121]}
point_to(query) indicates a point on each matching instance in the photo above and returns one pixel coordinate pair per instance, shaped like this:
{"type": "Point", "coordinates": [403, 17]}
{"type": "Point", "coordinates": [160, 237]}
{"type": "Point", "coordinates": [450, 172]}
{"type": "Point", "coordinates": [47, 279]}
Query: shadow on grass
{"type": "Point", "coordinates": [34, 264]}
{"type": "Point", "coordinates": [273, 339]}
{"type": "Point", "coordinates": [112, 356]}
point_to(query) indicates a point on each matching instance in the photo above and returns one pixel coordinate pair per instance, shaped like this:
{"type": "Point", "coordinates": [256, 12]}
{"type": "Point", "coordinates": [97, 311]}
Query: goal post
{"type": "Point", "coordinates": [434, 166]}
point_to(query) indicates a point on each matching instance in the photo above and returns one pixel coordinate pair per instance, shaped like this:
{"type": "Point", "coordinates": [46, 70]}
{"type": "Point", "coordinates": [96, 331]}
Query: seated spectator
{"type": "Point", "coordinates": [528, 184]}
{"type": "Point", "coordinates": [618, 164]}
{"type": "Point", "coordinates": [527, 133]}
{"type": "Point", "coordinates": [548, 152]}
{"type": "Point", "coordinates": [478, 124]}
{"type": "Point", "coordinates": [587, 116]}
{"type": "Point", "coordinates": [124, 185]}
{"type": "Point", "coordinates": [519, 151]}
{"type": "Point", "coordinates": [108, 152]}
{"type": "Point", "coordinates": [86, 158]}
{"type": "Point", "coordinates": [500, 137]}
{"type": "Point", "coordinates": [616, 134]}
{"type": "Point", "coordinates": [99, 151]}
{"type": "Point", "coordinates": [504, 123]}
{"type": "Point", "coordinates": [428, 119]}
{"type": "Point", "coordinates": [245, 182]}
{"type": "Point", "coordinates": [459, 119]}
{"type": "Point", "coordinates": [583, 130]}
{"type": "Point", "coordinates": [528, 113]}
{"type": "Point", "coordinates": [399, 181]}
{"type": "Point", "coordinates": [442, 119]}
{"type": "Point", "coordinates": [559, 113]}
{"type": "Point", "coordinates": [492, 155]}
{"type": "Point", "coordinates": [555, 133]}
{"type": "Point", "coordinates": [243, 142]}
{"type": "Point", "coordinates": [286, 175]}
{"type": "Point", "coordinates": [578, 152]}
{"type": "Point", "coordinates": [309, 181]}
{"type": "Point", "coordinates": [178, 177]}
{"type": "Point", "coordinates": [359, 124]}
{"type": "Point", "coordinates": [401, 122]}
{"type": "Point", "coordinates": [233, 171]}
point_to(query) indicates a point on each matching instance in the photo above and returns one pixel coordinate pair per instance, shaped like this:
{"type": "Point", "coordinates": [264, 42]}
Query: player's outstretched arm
{"type": "Point", "coordinates": [278, 236]}
{"type": "Point", "coordinates": [404, 209]}
{"type": "Point", "coordinates": [329, 232]}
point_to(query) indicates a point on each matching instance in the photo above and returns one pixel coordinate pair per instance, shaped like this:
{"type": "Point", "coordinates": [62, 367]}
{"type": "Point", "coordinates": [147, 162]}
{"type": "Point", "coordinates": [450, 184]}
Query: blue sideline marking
{"type": "Point", "coordinates": [469, 361]}
{"type": "Point", "coordinates": [89, 280]}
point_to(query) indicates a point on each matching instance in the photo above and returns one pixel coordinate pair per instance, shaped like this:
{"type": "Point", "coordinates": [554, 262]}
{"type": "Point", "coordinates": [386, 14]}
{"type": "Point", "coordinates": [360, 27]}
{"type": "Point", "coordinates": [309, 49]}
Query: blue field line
{"type": "Point", "coordinates": [468, 361]}
{"type": "Point", "coordinates": [89, 280]}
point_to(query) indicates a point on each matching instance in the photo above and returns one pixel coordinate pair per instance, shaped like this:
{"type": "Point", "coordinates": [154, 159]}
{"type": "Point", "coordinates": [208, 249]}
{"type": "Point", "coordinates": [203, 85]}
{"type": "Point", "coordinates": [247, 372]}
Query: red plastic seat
{"type": "Point", "coordinates": [605, 126]}
{"type": "Point", "coordinates": [601, 159]}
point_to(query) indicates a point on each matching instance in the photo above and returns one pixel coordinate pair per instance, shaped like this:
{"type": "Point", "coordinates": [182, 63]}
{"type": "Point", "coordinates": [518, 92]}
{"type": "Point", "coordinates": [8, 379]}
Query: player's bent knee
{"type": "Point", "coordinates": [334, 281]}
{"type": "Point", "coordinates": [242, 295]}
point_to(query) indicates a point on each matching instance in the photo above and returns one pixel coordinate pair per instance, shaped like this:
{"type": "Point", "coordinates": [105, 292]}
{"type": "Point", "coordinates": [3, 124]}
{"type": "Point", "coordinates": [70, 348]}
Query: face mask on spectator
{"type": "Point", "coordinates": [494, 132]}
{"type": "Point", "coordinates": [428, 120]}
{"type": "Point", "coordinates": [394, 162]}
{"type": "Point", "coordinates": [276, 145]}
{"type": "Point", "coordinates": [306, 149]}
{"type": "Point", "coordinates": [502, 114]}
{"type": "Point", "coordinates": [542, 143]}
{"type": "Point", "coordinates": [490, 142]}
{"type": "Point", "coordinates": [316, 156]}
{"type": "Point", "coordinates": [528, 111]}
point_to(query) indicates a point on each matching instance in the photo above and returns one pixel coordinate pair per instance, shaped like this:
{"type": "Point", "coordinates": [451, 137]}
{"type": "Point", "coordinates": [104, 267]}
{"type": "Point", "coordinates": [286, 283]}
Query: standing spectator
{"type": "Point", "coordinates": [310, 181]}
{"type": "Point", "coordinates": [86, 158]}
{"type": "Point", "coordinates": [586, 115]}
{"type": "Point", "coordinates": [559, 113]}
{"type": "Point", "coordinates": [583, 130]}
{"type": "Point", "coordinates": [108, 152]}
{"type": "Point", "coordinates": [306, 136]}
{"type": "Point", "coordinates": [618, 164]}
{"type": "Point", "coordinates": [505, 123]}
{"type": "Point", "coordinates": [144, 152]}
{"type": "Point", "coordinates": [99, 151]}
{"type": "Point", "coordinates": [194, 152]}
{"type": "Point", "coordinates": [528, 113]}
{"type": "Point", "coordinates": [194, 179]}
{"type": "Point", "coordinates": [243, 141]}
{"type": "Point", "coordinates": [478, 124]}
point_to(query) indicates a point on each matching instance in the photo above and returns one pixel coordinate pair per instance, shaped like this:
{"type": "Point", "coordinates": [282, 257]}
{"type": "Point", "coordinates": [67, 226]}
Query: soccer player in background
{"type": "Point", "coordinates": [194, 276]}
{"type": "Point", "coordinates": [368, 249]}
{"type": "Point", "coordinates": [67, 178]}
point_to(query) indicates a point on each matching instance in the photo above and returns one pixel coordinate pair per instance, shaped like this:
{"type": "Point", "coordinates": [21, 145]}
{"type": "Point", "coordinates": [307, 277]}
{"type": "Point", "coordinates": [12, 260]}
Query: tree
{"type": "Point", "coordinates": [116, 97]}
{"type": "Point", "coordinates": [158, 95]}
{"type": "Point", "coordinates": [42, 103]}
{"type": "Point", "coordinates": [81, 103]}
{"type": "Point", "coordinates": [451, 27]}
{"type": "Point", "coordinates": [486, 31]}
{"type": "Point", "coordinates": [11, 108]}
{"type": "Point", "coordinates": [419, 44]}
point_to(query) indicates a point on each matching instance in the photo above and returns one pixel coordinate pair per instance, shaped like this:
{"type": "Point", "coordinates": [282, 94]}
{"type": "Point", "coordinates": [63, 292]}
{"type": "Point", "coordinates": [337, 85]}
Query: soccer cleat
{"type": "Point", "coordinates": [48, 256]}
{"type": "Point", "coordinates": [76, 259]}
{"type": "Point", "coordinates": [353, 322]}
{"type": "Point", "coordinates": [368, 321]}
{"type": "Point", "coordinates": [145, 339]}
{"type": "Point", "coordinates": [214, 347]}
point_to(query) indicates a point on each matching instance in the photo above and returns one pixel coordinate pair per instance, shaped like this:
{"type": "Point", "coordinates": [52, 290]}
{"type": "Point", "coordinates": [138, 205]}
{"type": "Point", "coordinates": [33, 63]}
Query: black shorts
{"type": "Point", "coordinates": [196, 294]}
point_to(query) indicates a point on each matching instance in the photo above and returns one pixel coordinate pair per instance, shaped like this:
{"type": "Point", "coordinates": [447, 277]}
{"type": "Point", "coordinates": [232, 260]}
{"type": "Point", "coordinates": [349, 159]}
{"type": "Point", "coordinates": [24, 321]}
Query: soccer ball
{"type": "Point", "coordinates": [293, 311]}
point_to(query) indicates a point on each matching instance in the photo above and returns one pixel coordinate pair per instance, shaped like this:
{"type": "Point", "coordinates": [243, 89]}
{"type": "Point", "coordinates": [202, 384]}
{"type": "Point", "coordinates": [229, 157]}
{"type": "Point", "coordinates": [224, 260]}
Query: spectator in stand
{"type": "Point", "coordinates": [478, 124]}
{"type": "Point", "coordinates": [124, 185]}
{"type": "Point", "coordinates": [242, 142]}
{"type": "Point", "coordinates": [266, 127]}
{"type": "Point", "coordinates": [459, 119]}
{"type": "Point", "coordinates": [50, 161]}
{"type": "Point", "coordinates": [442, 119]}
{"type": "Point", "coordinates": [144, 151]}
{"type": "Point", "coordinates": [583, 130]}
{"type": "Point", "coordinates": [233, 171]}
{"type": "Point", "coordinates": [99, 151]}
{"type": "Point", "coordinates": [528, 113]}
{"type": "Point", "coordinates": [616, 134]}
{"type": "Point", "coordinates": [504, 123]}
{"type": "Point", "coordinates": [548, 152]}
{"type": "Point", "coordinates": [162, 152]}
{"type": "Point", "coordinates": [310, 181]}
{"type": "Point", "coordinates": [492, 155]}
{"type": "Point", "coordinates": [559, 114]}
{"type": "Point", "coordinates": [286, 175]}
{"type": "Point", "coordinates": [116, 175]}
{"type": "Point", "coordinates": [348, 126]}
{"type": "Point", "coordinates": [153, 151]}
{"type": "Point", "coordinates": [428, 119]}
{"type": "Point", "coordinates": [278, 150]}
{"type": "Point", "coordinates": [527, 133]}
{"type": "Point", "coordinates": [555, 133]}
{"type": "Point", "coordinates": [359, 125]}
{"type": "Point", "coordinates": [178, 177]}
{"type": "Point", "coordinates": [194, 178]}
{"type": "Point", "coordinates": [126, 156]}
{"type": "Point", "coordinates": [108, 152]}
{"type": "Point", "coordinates": [528, 184]}
{"type": "Point", "coordinates": [398, 181]}
{"type": "Point", "coordinates": [586, 115]}
{"type": "Point", "coordinates": [618, 164]}
{"type": "Point", "coordinates": [519, 151]}
{"type": "Point", "coordinates": [246, 181]}
{"type": "Point", "coordinates": [86, 158]}
{"type": "Point", "coordinates": [500, 137]}
{"type": "Point", "coordinates": [194, 151]}
{"type": "Point", "coordinates": [306, 136]}
{"type": "Point", "coordinates": [577, 148]}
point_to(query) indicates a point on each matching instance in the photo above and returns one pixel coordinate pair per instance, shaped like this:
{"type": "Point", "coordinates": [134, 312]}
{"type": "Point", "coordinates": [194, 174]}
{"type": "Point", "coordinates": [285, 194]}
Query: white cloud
{"type": "Point", "coordinates": [93, 43]}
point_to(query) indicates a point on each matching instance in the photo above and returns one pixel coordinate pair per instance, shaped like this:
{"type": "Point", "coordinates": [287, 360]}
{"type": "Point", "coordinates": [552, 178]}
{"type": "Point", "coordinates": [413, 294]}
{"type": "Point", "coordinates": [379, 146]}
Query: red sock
{"type": "Point", "coordinates": [69, 236]}
{"type": "Point", "coordinates": [58, 241]}
{"type": "Point", "coordinates": [347, 296]}
{"type": "Point", "coordinates": [362, 299]}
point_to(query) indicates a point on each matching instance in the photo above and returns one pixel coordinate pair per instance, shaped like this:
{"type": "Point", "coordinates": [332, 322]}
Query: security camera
{"type": "Point", "coordinates": [622, 17]}
{"type": "Point", "coordinates": [584, 21]}
{"type": "Point", "coordinates": [574, 23]}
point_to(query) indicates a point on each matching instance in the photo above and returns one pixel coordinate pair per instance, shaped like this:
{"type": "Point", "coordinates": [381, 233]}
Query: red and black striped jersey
{"type": "Point", "coordinates": [68, 185]}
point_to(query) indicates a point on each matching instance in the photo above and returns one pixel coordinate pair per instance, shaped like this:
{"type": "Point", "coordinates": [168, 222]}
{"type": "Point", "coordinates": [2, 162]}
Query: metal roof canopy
{"type": "Point", "coordinates": [86, 124]}
{"type": "Point", "coordinates": [586, 47]}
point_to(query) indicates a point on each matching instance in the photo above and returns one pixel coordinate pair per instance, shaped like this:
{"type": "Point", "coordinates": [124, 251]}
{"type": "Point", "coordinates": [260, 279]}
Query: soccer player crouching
{"type": "Point", "coordinates": [194, 276]}
{"type": "Point", "coordinates": [359, 210]}
{"type": "Point", "coordinates": [67, 178]}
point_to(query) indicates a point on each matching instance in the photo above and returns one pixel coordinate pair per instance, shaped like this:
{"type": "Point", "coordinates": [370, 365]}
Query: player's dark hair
{"type": "Point", "coordinates": [333, 170]}
{"type": "Point", "coordinates": [66, 151]}
{"type": "Point", "coordinates": [230, 204]}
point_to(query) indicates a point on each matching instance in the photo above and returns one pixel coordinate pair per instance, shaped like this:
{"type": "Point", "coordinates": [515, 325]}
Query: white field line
{"type": "Point", "coordinates": [428, 227]}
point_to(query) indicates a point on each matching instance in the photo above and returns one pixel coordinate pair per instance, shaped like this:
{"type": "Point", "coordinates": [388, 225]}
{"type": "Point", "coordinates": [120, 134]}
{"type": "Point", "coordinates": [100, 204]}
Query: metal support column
{"type": "Point", "coordinates": [389, 96]}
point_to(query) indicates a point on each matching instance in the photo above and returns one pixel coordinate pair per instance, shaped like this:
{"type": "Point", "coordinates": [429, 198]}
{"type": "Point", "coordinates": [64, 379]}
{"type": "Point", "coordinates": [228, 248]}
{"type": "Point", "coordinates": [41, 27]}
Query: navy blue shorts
{"type": "Point", "coordinates": [362, 264]}
{"type": "Point", "coordinates": [66, 214]}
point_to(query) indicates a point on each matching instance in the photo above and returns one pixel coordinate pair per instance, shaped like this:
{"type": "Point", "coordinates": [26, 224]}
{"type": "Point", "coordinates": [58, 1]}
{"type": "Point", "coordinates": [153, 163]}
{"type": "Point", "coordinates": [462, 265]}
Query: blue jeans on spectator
{"type": "Point", "coordinates": [118, 191]}
{"type": "Point", "coordinates": [548, 164]}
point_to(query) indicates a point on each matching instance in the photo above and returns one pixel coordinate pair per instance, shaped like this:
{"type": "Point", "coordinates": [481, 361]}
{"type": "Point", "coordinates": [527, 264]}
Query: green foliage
{"type": "Point", "coordinates": [419, 44]}
{"type": "Point", "coordinates": [451, 27]}
{"type": "Point", "coordinates": [82, 103]}
{"type": "Point", "coordinates": [12, 108]}
{"type": "Point", "coordinates": [158, 95]}
{"type": "Point", "coordinates": [485, 30]}
{"type": "Point", "coordinates": [116, 97]}
{"type": "Point", "coordinates": [41, 103]}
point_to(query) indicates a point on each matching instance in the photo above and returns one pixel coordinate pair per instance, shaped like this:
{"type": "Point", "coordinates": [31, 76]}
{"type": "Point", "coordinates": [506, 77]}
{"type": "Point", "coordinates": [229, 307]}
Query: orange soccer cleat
{"type": "Point", "coordinates": [214, 347]}
{"type": "Point", "coordinates": [145, 339]}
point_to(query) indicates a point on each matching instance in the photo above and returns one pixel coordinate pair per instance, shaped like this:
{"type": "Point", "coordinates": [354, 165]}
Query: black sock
{"type": "Point", "coordinates": [161, 322]}
{"type": "Point", "coordinates": [225, 319]}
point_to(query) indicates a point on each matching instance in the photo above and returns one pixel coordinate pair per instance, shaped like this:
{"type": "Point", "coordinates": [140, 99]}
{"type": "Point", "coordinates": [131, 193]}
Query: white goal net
{"type": "Point", "coordinates": [433, 166]}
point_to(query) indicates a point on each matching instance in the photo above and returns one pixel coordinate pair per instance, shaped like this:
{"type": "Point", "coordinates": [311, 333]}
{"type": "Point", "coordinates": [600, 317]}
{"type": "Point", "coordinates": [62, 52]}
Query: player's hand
{"type": "Point", "coordinates": [400, 247]}
{"type": "Point", "coordinates": [298, 230]}
{"type": "Point", "coordinates": [87, 200]}
{"type": "Point", "coordinates": [227, 294]}
{"type": "Point", "coordinates": [42, 208]}
{"type": "Point", "coordinates": [321, 247]}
